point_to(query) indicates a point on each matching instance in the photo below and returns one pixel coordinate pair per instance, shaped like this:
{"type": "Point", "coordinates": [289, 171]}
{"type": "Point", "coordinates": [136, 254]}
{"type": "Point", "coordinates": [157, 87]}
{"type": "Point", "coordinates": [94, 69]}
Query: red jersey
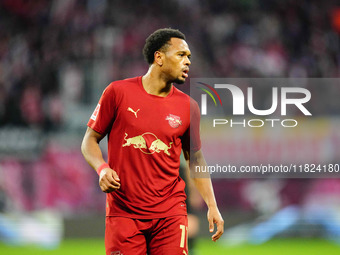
{"type": "Point", "coordinates": [145, 137]}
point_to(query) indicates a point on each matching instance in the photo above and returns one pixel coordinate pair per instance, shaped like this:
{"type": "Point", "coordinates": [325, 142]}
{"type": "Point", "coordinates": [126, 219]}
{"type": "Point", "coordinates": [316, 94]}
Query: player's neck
{"type": "Point", "coordinates": [155, 84]}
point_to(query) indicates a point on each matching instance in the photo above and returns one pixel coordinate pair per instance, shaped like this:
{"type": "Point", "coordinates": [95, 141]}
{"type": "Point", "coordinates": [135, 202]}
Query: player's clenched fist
{"type": "Point", "coordinates": [109, 180]}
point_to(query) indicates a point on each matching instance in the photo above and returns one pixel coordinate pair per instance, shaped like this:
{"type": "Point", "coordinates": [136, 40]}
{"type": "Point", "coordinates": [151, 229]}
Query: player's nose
{"type": "Point", "coordinates": [187, 61]}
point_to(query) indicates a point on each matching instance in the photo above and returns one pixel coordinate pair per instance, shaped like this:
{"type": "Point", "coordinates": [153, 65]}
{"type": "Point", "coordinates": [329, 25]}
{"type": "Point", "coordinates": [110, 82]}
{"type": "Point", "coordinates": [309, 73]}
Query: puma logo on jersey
{"type": "Point", "coordinates": [134, 112]}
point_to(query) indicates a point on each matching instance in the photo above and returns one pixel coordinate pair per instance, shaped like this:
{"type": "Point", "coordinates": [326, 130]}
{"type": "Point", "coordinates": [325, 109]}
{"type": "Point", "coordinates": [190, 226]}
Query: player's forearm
{"type": "Point", "coordinates": [205, 188]}
{"type": "Point", "coordinates": [91, 151]}
{"type": "Point", "coordinates": [202, 181]}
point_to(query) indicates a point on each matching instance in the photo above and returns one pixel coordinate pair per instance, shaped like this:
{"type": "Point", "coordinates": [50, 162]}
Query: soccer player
{"type": "Point", "coordinates": [147, 121]}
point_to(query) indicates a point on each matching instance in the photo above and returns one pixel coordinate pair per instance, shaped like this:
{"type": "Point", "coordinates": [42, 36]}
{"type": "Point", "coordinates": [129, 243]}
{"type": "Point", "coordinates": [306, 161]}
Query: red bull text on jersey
{"type": "Point", "coordinates": [145, 137]}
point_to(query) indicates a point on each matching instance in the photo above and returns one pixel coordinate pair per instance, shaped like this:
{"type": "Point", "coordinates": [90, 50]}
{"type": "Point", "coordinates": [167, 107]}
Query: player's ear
{"type": "Point", "coordinates": [159, 58]}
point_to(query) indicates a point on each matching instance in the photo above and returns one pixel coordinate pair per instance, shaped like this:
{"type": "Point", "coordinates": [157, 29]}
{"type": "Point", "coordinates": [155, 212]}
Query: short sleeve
{"type": "Point", "coordinates": [191, 140]}
{"type": "Point", "coordinates": [104, 114]}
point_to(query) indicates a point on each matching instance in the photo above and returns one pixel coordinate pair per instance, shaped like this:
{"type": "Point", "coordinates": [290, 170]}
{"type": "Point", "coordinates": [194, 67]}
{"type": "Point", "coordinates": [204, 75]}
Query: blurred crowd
{"type": "Point", "coordinates": [50, 49]}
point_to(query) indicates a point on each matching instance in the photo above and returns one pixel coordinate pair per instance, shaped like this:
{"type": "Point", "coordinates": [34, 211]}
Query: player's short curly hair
{"type": "Point", "coordinates": [158, 40]}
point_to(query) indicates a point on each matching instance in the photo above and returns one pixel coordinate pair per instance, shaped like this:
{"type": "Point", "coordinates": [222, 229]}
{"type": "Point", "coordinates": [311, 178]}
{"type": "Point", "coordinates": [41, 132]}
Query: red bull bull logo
{"type": "Point", "coordinates": [158, 146]}
{"type": "Point", "coordinates": [147, 143]}
{"type": "Point", "coordinates": [138, 142]}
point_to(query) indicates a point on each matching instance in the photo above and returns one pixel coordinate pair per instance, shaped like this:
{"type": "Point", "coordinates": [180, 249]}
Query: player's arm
{"type": "Point", "coordinates": [204, 186]}
{"type": "Point", "coordinates": [108, 179]}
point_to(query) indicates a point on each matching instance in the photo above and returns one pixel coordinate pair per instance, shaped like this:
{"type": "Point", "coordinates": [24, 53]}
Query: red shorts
{"type": "Point", "coordinates": [166, 236]}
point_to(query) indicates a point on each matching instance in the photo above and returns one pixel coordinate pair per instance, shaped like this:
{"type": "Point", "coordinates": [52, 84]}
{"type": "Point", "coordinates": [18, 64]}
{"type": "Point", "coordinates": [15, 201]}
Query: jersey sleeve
{"type": "Point", "coordinates": [191, 140]}
{"type": "Point", "coordinates": [104, 114]}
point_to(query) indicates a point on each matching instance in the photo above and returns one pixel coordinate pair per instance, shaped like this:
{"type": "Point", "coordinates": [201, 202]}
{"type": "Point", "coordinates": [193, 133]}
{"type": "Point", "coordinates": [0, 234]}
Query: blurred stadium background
{"type": "Point", "coordinates": [56, 57]}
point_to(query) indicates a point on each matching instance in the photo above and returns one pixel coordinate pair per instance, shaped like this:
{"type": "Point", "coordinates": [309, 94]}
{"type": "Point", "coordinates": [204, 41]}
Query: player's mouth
{"type": "Point", "coordinates": [185, 73]}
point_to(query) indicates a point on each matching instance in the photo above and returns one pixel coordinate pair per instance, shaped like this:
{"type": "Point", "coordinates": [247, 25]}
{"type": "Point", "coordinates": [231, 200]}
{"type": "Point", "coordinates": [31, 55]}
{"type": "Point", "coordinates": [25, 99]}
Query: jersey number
{"type": "Point", "coordinates": [184, 233]}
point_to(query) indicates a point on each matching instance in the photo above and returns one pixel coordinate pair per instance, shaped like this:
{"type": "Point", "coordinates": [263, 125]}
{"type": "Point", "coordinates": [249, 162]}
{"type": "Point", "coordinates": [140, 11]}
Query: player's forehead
{"type": "Point", "coordinates": [178, 45]}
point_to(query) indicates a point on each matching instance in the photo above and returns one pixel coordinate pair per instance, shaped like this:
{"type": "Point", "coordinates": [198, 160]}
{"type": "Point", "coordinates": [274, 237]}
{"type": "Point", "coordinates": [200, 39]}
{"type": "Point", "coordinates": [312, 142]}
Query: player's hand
{"type": "Point", "coordinates": [109, 180]}
{"type": "Point", "coordinates": [214, 217]}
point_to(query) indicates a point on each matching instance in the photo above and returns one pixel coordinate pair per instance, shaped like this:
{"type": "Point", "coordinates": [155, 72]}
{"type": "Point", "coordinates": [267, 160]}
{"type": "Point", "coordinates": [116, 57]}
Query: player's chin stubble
{"type": "Point", "coordinates": [178, 81]}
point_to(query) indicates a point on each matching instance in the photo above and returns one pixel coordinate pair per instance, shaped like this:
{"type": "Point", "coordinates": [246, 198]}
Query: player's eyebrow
{"type": "Point", "coordinates": [188, 53]}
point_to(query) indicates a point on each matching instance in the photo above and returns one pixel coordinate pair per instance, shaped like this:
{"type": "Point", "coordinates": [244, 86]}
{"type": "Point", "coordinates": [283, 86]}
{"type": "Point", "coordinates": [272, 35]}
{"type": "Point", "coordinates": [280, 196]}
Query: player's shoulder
{"type": "Point", "coordinates": [123, 84]}
{"type": "Point", "coordinates": [180, 94]}
{"type": "Point", "coordinates": [185, 97]}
